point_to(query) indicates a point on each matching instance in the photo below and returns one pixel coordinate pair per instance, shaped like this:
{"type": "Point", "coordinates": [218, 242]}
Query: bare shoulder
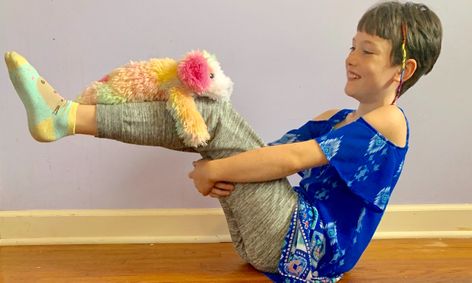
{"type": "Point", "coordinates": [326, 115]}
{"type": "Point", "coordinates": [390, 122]}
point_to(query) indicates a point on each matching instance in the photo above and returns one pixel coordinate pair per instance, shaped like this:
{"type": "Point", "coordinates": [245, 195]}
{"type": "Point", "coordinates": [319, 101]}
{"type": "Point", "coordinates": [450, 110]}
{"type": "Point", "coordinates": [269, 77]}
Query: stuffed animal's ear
{"type": "Point", "coordinates": [194, 72]}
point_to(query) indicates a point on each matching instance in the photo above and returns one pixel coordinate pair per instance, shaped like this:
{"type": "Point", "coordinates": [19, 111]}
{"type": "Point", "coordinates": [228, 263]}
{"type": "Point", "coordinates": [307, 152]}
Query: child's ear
{"type": "Point", "coordinates": [410, 68]}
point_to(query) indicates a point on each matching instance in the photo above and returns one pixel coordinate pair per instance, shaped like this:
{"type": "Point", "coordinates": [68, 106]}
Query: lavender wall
{"type": "Point", "coordinates": [286, 59]}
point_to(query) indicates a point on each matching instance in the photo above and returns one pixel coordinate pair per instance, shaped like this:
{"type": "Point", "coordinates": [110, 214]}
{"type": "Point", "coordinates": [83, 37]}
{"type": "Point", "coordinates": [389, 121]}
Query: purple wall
{"type": "Point", "coordinates": [286, 59]}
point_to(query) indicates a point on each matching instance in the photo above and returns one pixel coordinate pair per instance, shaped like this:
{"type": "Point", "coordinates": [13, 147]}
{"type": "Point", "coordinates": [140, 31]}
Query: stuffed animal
{"type": "Point", "coordinates": [164, 79]}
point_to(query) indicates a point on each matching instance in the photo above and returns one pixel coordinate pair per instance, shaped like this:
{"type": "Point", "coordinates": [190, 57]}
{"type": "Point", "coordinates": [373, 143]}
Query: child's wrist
{"type": "Point", "coordinates": [214, 171]}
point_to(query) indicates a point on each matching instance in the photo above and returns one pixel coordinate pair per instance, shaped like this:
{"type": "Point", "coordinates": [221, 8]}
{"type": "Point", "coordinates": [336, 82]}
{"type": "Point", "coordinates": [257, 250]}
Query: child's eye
{"type": "Point", "coordinates": [352, 48]}
{"type": "Point", "coordinates": [368, 52]}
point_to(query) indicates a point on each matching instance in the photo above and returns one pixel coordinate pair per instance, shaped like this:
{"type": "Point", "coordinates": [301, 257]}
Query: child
{"type": "Point", "coordinates": [349, 160]}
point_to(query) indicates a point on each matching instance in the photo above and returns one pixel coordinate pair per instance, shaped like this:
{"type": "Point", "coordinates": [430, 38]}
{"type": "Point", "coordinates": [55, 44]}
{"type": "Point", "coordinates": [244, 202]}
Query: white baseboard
{"type": "Point", "coordinates": [426, 221]}
{"type": "Point", "coordinates": [201, 225]}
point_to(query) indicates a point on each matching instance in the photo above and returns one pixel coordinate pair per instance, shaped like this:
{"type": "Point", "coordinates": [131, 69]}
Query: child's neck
{"type": "Point", "coordinates": [365, 108]}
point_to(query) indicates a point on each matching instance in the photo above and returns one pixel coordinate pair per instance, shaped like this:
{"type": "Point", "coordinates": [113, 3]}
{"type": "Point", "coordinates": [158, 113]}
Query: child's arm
{"type": "Point", "coordinates": [268, 163]}
{"type": "Point", "coordinates": [262, 164]}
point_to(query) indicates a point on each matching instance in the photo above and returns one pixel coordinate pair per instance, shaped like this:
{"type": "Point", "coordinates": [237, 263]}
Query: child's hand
{"type": "Point", "coordinates": [206, 184]}
{"type": "Point", "coordinates": [201, 177]}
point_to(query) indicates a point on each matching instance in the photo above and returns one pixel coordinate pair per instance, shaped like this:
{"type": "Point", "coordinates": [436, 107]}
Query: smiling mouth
{"type": "Point", "coordinates": [352, 76]}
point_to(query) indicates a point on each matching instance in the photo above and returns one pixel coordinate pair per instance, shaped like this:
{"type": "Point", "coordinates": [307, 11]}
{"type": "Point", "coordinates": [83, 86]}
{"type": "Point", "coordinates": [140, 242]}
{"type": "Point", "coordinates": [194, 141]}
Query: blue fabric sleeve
{"type": "Point", "coordinates": [364, 160]}
{"type": "Point", "coordinates": [307, 131]}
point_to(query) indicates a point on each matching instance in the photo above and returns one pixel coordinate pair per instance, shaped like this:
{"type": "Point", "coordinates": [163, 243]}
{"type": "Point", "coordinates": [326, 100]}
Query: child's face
{"type": "Point", "coordinates": [370, 74]}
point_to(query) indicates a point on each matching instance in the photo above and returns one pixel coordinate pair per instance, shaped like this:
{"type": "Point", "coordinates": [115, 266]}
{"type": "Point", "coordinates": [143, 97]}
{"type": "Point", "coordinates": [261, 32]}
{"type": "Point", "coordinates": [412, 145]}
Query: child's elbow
{"type": "Point", "coordinates": [309, 155]}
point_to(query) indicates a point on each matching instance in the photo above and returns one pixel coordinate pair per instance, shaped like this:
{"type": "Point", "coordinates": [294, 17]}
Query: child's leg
{"type": "Point", "coordinates": [50, 116]}
{"type": "Point", "coordinates": [258, 214]}
{"type": "Point", "coordinates": [86, 121]}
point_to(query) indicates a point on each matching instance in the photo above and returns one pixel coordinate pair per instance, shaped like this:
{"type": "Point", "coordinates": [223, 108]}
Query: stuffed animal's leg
{"type": "Point", "coordinates": [189, 123]}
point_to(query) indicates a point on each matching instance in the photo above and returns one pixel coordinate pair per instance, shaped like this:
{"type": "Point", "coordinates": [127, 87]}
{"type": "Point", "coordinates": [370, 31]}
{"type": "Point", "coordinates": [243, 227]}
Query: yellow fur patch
{"type": "Point", "coordinates": [165, 69]}
{"type": "Point", "coordinates": [189, 121]}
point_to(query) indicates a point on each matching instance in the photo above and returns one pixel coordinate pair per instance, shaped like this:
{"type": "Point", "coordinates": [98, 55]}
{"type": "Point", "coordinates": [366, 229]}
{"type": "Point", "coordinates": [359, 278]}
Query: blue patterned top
{"type": "Point", "coordinates": [341, 203]}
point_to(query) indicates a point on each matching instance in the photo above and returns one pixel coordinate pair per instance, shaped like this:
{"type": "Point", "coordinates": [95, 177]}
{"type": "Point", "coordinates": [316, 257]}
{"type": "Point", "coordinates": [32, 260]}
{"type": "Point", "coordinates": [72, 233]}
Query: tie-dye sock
{"type": "Point", "coordinates": [50, 116]}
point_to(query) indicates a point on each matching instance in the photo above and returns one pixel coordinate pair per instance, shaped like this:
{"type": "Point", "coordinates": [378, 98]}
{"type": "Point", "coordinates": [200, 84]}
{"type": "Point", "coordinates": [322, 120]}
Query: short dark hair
{"type": "Point", "coordinates": [424, 33]}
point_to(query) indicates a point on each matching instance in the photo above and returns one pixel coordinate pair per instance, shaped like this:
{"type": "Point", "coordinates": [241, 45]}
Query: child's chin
{"type": "Point", "coordinates": [351, 93]}
{"type": "Point", "coordinates": [348, 91]}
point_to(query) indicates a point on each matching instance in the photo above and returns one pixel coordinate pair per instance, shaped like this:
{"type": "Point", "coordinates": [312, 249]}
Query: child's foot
{"type": "Point", "coordinates": [50, 117]}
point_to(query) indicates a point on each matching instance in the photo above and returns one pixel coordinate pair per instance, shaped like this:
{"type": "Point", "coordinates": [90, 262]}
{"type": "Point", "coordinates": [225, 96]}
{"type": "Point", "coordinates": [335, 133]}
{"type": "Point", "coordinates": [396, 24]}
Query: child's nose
{"type": "Point", "coordinates": [351, 59]}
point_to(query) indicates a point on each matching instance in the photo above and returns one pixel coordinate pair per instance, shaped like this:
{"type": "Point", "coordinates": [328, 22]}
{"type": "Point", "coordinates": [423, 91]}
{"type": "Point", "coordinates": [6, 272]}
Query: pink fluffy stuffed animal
{"type": "Point", "coordinates": [177, 82]}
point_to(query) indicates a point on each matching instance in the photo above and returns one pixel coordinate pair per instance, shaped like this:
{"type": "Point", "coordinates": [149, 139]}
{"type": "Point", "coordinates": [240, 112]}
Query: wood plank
{"type": "Point", "coordinates": [409, 260]}
{"type": "Point", "coordinates": [415, 260]}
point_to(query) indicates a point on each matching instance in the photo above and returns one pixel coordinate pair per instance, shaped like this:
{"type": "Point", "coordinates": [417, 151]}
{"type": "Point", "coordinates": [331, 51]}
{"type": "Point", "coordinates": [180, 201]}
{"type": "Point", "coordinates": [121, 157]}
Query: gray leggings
{"type": "Point", "coordinates": [258, 214]}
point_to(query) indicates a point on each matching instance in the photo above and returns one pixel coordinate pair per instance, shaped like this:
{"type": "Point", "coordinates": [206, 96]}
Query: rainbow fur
{"type": "Point", "coordinates": [164, 79]}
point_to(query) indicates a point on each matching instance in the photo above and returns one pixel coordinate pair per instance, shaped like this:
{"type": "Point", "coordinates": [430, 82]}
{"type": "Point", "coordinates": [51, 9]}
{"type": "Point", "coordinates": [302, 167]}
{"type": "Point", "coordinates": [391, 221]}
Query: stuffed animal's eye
{"type": "Point", "coordinates": [212, 75]}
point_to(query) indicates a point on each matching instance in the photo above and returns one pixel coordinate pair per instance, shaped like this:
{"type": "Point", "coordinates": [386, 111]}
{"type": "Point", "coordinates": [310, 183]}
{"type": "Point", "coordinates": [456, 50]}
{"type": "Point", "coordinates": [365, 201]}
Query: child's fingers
{"type": "Point", "coordinates": [224, 186]}
{"type": "Point", "coordinates": [215, 192]}
{"type": "Point", "coordinates": [221, 189]}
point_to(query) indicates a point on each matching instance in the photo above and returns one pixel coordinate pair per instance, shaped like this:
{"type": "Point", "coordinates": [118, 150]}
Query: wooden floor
{"type": "Point", "coordinates": [427, 260]}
